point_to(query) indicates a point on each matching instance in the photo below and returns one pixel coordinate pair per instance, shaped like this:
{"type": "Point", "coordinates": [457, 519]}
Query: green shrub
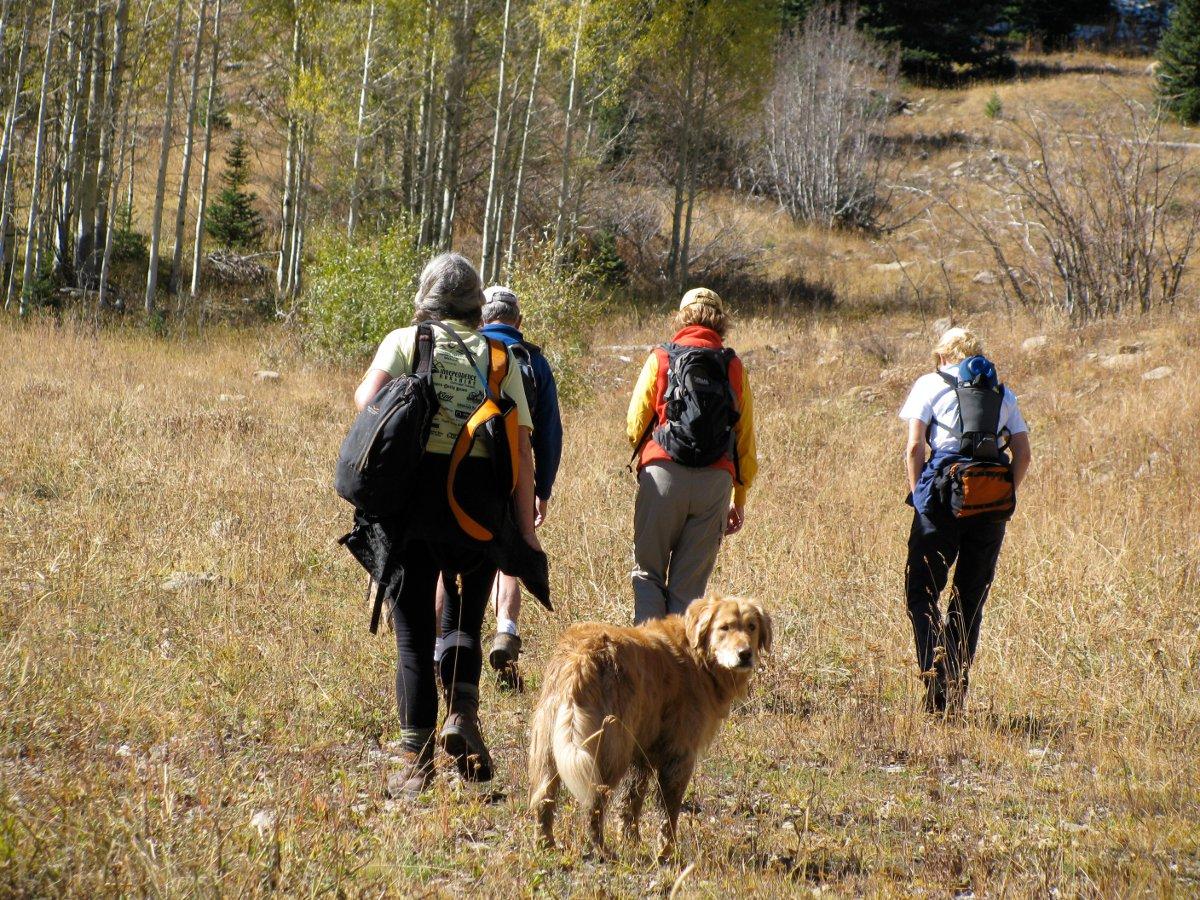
{"type": "Point", "coordinates": [993, 107]}
{"type": "Point", "coordinates": [560, 306]}
{"type": "Point", "coordinates": [359, 291]}
{"type": "Point", "coordinates": [129, 245]}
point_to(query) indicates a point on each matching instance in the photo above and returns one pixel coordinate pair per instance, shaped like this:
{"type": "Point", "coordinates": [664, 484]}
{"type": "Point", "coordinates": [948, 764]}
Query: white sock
{"type": "Point", "coordinates": [506, 626]}
{"type": "Point", "coordinates": [438, 649]}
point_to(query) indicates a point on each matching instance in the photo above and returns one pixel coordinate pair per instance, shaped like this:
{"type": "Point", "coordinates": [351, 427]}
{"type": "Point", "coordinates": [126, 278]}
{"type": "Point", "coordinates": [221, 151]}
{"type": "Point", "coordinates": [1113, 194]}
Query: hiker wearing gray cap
{"type": "Point", "coordinates": [502, 321]}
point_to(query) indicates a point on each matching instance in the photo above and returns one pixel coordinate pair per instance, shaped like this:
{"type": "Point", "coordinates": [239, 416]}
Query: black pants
{"type": "Point", "coordinates": [413, 613]}
{"type": "Point", "coordinates": [933, 547]}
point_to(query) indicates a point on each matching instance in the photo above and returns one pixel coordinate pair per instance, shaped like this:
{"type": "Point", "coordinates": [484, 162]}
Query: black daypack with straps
{"type": "Point", "coordinates": [701, 409]}
{"type": "Point", "coordinates": [385, 443]}
{"type": "Point", "coordinates": [523, 353]}
{"type": "Point", "coordinates": [980, 487]}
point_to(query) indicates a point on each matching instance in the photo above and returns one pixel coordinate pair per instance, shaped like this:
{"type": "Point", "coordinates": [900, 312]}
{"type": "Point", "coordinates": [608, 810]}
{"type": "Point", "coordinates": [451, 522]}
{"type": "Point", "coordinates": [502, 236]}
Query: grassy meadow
{"type": "Point", "coordinates": [233, 736]}
{"type": "Point", "coordinates": [191, 703]}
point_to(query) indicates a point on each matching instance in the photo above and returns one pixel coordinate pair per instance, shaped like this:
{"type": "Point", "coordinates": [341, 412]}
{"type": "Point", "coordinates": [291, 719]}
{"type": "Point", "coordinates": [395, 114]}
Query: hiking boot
{"type": "Point", "coordinates": [416, 775]}
{"type": "Point", "coordinates": [503, 658]}
{"type": "Point", "coordinates": [935, 692]}
{"type": "Point", "coordinates": [461, 737]}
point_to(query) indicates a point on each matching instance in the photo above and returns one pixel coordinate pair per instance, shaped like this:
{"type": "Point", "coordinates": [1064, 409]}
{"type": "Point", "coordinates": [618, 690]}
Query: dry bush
{"type": "Point", "coordinates": [1091, 224]}
{"type": "Point", "coordinates": [831, 95]}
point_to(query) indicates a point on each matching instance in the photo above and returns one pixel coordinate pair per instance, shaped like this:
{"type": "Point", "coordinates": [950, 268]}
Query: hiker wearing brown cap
{"type": "Point", "coordinates": [691, 424]}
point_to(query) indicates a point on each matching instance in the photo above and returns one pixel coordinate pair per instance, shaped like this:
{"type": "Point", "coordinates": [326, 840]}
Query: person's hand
{"type": "Point", "coordinates": [540, 508]}
{"type": "Point", "coordinates": [735, 520]}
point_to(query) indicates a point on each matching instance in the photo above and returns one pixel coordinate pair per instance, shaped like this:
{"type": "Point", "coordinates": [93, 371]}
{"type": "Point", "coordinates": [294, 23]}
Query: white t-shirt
{"type": "Point", "coordinates": [931, 398]}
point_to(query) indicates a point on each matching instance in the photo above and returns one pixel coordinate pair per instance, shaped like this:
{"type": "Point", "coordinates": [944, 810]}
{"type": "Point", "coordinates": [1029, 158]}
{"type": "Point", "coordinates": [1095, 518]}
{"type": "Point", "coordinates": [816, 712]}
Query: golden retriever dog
{"type": "Point", "coordinates": [646, 701]}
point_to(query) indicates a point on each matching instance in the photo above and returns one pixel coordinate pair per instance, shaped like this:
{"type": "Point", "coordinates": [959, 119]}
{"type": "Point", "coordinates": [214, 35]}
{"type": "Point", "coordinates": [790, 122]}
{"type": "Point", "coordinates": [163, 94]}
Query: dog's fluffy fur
{"type": "Point", "coordinates": [646, 700]}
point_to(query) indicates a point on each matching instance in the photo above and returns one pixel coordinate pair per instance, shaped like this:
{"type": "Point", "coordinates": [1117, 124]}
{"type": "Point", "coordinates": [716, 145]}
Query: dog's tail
{"type": "Point", "coordinates": [577, 739]}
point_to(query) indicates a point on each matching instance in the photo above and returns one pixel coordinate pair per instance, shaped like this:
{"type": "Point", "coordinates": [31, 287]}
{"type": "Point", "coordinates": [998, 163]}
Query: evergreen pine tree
{"type": "Point", "coordinates": [1179, 62]}
{"type": "Point", "coordinates": [232, 221]}
{"type": "Point", "coordinates": [935, 36]}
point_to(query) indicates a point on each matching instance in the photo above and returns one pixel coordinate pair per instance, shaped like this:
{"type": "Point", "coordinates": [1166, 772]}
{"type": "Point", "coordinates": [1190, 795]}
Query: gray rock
{"type": "Point", "coordinates": [1118, 361]}
{"type": "Point", "coordinates": [178, 581]}
{"type": "Point", "coordinates": [985, 277]}
{"type": "Point", "coordinates": [1158, 373]}
{"type": "Point", "coordinates": [1037, 342]}
{"type": "Point", "coordinates": [892, 266]}
{"type": "Point", "coordinates": [266, 375]}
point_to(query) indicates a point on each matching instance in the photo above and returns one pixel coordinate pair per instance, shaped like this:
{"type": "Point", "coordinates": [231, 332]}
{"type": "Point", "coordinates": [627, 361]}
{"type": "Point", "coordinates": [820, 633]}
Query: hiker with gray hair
{"type": "Point", "coordinates": [502, 321]}
{"type": "Point", "coordinates": [457, 530]}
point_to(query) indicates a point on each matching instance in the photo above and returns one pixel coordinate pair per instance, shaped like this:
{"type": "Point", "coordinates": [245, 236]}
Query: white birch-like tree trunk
{"type": "Point", "coordinates": [516, 207]}
{"type": "Point", "coordinates": [202, 205]}
{"type": "Point", "coordinates": [356, 163]}
{"type": "Point", "coordinates": [290, 174]}
{"type": "Point", "coordinates": [164, 155]}
{"type": "Point", "coordinates": [39, 149]}
{"type": "Point", "coordinates": [486, 259]}
{"type": "Point", "coordinates": [564, 189]}
{"type": "Point", "coordinates": [7, 160]}
{"type": "Point", "coordinates": [108, 128]}
{"type": "Point", "coordinates": [189, 134]}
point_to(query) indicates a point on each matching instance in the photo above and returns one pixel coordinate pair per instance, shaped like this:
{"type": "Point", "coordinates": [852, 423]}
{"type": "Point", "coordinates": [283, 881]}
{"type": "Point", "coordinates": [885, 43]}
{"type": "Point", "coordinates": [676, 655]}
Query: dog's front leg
{"type": "Point", "coordinates": [634, 797]}
{"type": "Point", "coordinates": [673, 778]}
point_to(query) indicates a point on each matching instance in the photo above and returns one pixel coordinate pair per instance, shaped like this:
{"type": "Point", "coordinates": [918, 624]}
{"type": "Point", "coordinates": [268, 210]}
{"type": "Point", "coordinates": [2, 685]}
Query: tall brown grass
{"type": "Point", "coordinates": [232, 738]}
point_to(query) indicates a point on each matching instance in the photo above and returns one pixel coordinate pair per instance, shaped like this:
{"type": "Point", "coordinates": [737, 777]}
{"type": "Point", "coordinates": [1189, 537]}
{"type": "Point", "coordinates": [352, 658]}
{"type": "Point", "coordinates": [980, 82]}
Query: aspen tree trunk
{"type": "Point", "coordinates": [452, 130]}
{"type": "Point", "coordinates": [80, 59]}
{"type": "Point", "coordinates": [108, 125]}
{"type": "Point", "coordinates": [486, 258]}
{"type": "Point", "coordinates": [683, 152]}
{"type": "Point", "coordinates": [5, 9]}
{"type": "Point", "coordinates": [202, 206]}
{"type": "Point", "coordinates": [109, 226]}
{"type": "Point", "coordinates": [693, 178]}
{"type": "Point", "coordinates": [7, 162]}
{"type": "Point", "coordinates": [516, 209]}
{"type": "Point", "coordinates": [287, 215]}
{"type": "Point", "coordinates": [505, 181]}
{"type": "Point", "coordinates": [427, 154]}
{"type": "Point", "coordinates": [85, 226]}
{"type": "Point", "coordinates": [564, 189]}
{"type": "Point", "coordinates": [164, 154]}
{"type": "Point", "coordinates": [189, 134]}
{"type": "Point", "coordinates": [356, 163]}
{"type": "Point", "coordinates": [39, 149]}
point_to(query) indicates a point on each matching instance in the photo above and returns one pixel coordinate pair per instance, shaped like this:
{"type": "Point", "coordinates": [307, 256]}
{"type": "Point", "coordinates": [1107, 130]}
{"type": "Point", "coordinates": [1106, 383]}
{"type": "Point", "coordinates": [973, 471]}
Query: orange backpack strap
{"type": "Point", "coordinates": [491, 408]}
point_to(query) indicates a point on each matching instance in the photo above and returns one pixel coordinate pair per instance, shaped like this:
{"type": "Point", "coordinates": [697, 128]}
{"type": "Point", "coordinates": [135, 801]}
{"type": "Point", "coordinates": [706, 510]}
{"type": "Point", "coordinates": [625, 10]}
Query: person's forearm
{"type": "Point", "coordinates": [525, 492]}
{"type": "Point", "coordinates": [914, 460]}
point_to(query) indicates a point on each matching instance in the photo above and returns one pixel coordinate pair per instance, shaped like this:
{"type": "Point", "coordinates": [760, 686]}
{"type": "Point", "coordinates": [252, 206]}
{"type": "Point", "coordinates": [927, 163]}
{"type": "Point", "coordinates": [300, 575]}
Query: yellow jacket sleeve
{"type": "Point", "coordinates": [641, 404]}
{"type": "Point", "coordinates": [747, 448]}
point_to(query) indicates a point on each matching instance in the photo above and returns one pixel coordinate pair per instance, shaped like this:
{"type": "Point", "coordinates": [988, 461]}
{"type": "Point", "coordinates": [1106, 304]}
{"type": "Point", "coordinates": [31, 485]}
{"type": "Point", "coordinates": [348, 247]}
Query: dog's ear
{"type": "Point", "coordinates": [698, 620]}
{"type": "Point", "coordinates": [765, 629]}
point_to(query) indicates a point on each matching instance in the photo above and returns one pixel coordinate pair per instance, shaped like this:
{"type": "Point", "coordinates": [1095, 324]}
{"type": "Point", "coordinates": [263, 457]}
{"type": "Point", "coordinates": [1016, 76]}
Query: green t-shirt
{"type": "Point", "coordinates": [455, 380]}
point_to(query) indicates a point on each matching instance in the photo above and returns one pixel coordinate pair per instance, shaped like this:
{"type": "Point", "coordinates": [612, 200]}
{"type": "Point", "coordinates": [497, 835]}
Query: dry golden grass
{"type": "Point", "coordinates": [233, 738]}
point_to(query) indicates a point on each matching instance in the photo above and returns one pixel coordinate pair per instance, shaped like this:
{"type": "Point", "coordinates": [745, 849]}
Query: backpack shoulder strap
{"type": "Point", "coordinates": [423, 357]}
{"type": "Point", "coordinates": [934, 423]}
{"type": "Point", "coordinates": [466, 351]}
{"type": "Point", "coordinates": [497, 365]}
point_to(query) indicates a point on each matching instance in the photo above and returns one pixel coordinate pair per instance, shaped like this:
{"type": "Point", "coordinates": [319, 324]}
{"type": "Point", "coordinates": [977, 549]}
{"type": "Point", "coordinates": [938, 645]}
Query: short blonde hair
{"type": "Point", "coordinates": [956, 344]}
{"type": "Point", "coordinates": [703, 314]}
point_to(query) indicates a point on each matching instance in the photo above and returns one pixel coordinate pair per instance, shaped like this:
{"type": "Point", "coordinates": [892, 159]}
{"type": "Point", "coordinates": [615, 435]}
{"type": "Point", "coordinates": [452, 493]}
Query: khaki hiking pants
{"type": "Point", "coordinates": [678, 522]}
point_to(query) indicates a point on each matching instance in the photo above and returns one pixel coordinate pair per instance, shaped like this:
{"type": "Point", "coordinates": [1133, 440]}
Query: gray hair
{"type": "Point", "coordinates": [500, 304]}
{"type": "Point", "coordinates": [450, 288]}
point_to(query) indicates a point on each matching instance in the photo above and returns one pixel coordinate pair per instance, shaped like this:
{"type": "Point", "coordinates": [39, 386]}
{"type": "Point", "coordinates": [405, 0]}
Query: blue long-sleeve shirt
{"type": "Point", "coordinates": [547, 421]}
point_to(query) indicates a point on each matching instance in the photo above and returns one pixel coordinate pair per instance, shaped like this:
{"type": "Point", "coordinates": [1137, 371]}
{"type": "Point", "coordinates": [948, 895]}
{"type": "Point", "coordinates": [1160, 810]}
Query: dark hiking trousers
{"type": "Point", "coordinates": [933, 547]}
{"type": "Point", "coordinates": [413, 617]}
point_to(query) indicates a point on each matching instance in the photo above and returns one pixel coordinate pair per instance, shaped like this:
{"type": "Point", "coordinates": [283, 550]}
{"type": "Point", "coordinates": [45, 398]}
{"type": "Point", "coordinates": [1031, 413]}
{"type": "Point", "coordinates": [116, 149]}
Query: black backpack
{"type": "Point", "coordinates": [981, 487]}
{"type": "Point", "coordinates": [523, 353]}
{"type": "Point", "coordinates": [387, 440]}
{"type": "Point", "coordinates": [701, 409]}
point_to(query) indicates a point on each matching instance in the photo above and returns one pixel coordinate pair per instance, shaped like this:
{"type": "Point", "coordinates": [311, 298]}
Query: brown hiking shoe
{"type": "Point", "coordinates": [416, 775]}
{"type": "Point", "coordinates": [503, 658]}
{"type": "Point", "coordinates": [461, 737]}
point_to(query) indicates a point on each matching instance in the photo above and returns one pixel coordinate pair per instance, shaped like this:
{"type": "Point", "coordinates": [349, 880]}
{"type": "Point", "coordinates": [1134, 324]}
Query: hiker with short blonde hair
{"type": "Point", "coordinates": [962, 491]}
